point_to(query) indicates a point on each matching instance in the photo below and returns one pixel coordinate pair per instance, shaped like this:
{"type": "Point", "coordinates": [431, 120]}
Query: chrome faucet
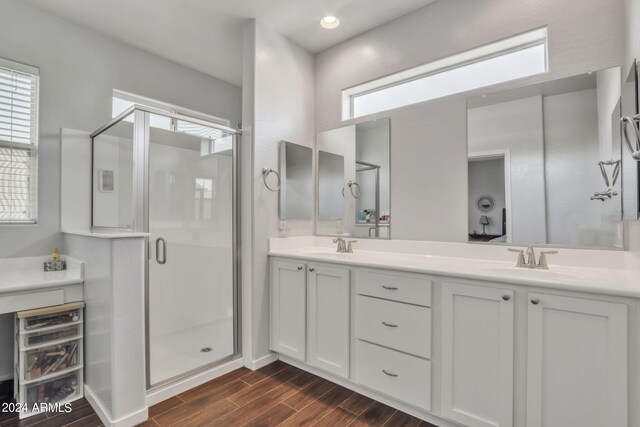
{"type": "Point", "coordinates": [343, 247]}
{"type": "Point", "coordinates": [531, 258]}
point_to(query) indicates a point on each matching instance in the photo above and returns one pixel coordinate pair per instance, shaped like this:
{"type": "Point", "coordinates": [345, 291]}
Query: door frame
{"type": "Point", "coordinates": [504, 154]}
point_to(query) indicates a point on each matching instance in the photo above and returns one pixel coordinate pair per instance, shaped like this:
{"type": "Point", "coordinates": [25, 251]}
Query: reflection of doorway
{"type": "Point", "coordinates": [490, 174]}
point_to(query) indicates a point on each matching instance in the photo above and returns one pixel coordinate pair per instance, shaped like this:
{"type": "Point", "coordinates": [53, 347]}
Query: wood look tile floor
{"type": "Point", "coordinates": [276, 395]}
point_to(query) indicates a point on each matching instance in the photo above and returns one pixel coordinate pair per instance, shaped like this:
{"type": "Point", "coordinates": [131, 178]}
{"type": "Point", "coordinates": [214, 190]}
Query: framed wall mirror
{"type": "Point", "coordinates": [549, 157]}
{"type": "Point", "coordinates": [296, 188]}
{"type": "Point", "coordinates": [353, 190]}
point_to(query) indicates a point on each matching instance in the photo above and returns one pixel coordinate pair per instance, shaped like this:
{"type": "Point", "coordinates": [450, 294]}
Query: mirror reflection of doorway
{"type": "Point", "coordinates": [489, 198]}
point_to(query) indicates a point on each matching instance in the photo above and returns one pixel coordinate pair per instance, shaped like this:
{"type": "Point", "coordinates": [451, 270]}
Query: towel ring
{"type": "Point", "coordinates": [352, 184]}
{"type": "Point", "coordinates": [635, 152]}
{"type": "Point", "coordinates": [265, 173]}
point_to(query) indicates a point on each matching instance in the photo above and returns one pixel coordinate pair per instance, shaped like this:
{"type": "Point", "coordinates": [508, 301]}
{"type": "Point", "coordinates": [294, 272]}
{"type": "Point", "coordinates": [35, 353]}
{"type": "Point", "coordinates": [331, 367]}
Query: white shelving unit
{"type": "Point", "coordinates": [49, 357]}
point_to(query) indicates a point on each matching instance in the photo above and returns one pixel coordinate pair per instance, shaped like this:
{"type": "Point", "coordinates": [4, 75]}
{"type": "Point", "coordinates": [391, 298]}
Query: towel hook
{"type": "Point", "coordinates": [265, 173]}
{"type": "Point", "coordinates": [624, 121]}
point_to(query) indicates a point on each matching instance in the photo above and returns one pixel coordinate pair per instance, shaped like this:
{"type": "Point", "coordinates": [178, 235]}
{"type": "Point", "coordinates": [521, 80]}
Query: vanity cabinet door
{"type": "Point", "coordinates": [288, 308]}
{"type": "Point", "coordinates": [576, 362]}
{"type": "Point", "coordinates": [328, 319]}
{"type": "Point", "coordinates": [477, 355]}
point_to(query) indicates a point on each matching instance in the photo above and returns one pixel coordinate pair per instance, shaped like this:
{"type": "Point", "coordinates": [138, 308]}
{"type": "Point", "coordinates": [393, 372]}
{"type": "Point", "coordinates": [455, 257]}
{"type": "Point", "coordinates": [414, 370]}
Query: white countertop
{"type": "Point", "coordinates": [26, 274]}
{"type": "Point", "coordinates": [617, 273]}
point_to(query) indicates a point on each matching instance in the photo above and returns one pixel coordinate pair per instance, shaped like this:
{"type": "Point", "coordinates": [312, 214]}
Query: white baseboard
{"type": "Point", "coordinates": [164, 393]}
{"type": "Point", "coordinates": [263, 361]}
{"type": "Point", "coordinates": [130, 420]}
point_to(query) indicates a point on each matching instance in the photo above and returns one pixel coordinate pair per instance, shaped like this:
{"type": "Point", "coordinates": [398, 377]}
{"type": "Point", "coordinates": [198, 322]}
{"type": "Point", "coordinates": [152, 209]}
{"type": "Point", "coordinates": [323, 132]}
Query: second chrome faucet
{"type": "Point", "coordinates": [531, 258]}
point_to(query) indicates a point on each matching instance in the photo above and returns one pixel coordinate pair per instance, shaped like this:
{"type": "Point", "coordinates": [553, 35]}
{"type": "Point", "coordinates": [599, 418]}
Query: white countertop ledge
{"type": "Point", "coordinates": [622, 279]}
{"type": "Point", "coordinates": [108, 235]}
{"type": "Point", "coordinates": [27, 274]}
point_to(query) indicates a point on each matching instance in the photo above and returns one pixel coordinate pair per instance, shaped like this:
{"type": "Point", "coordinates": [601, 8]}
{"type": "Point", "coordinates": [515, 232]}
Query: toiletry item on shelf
{"type": "Point", "coordinates": [55, 263]}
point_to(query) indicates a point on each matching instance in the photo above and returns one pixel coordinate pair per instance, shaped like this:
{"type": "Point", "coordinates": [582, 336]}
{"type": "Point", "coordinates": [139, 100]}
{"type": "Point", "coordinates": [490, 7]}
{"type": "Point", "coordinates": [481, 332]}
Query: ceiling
{"type": "Point", "coordinates": [206, 35]}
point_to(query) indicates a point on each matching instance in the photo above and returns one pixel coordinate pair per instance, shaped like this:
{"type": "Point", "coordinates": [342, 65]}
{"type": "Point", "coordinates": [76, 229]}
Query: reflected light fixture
{"type": "Point", "coordinates": [329, 22]}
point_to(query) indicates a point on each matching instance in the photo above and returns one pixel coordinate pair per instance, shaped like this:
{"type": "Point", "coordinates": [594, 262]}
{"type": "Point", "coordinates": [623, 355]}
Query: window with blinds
{"type": "Point", "coordinates": [18, 142]}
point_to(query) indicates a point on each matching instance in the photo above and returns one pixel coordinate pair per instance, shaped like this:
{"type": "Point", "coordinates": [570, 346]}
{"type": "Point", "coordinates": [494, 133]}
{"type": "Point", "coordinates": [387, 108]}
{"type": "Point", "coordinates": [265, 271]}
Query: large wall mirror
{"type": "Point", "coordinates": [545, 164]}
{"type": "Point", "coordinates": [353, 191]}
{"type": "Point", "coordinates": [296, 187]}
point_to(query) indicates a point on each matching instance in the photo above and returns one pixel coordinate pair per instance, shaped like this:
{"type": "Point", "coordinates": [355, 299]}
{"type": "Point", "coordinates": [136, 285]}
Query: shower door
{"type": "Point", "coordinates": [190, 291]}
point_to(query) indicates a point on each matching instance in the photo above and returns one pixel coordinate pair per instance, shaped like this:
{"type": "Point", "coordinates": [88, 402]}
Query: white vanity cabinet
{"type": "Point", "coordinates": [477, 354]}
{"type": "Point", "coordinates": [576, 362]}
{"type": "Point", "coordinates": [289, 308]}
{"type": "Point", "coordinates": [460, 351]}
{"type": "Point", "coordinates": [328, 318]}
{"type": "Point", "coordinates": [310, 314]}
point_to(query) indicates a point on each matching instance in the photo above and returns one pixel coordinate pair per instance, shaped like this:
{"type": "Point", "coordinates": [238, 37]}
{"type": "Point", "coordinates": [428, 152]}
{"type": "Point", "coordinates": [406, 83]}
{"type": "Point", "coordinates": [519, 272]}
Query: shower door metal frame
{"type": "Point", "coordinates": [367, 167]}
{"type": "Point", "coordinates": [141, 144]}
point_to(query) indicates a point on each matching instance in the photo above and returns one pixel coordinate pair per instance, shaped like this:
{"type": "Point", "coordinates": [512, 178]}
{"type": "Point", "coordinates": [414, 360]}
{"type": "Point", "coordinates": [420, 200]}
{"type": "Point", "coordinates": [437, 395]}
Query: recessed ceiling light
{"type": "Point", "coordinates": [329, 22]}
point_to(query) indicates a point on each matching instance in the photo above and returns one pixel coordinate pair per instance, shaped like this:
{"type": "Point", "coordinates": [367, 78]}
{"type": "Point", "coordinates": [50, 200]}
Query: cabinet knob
{"type": "Point", "coordinates": [506, 297]}
{"type": "Point", "coordinates": [535, 301]}
{"type": "Point", "coordinates": [391, 374]}
{"type": "Point", "coordinates": [300, 268]}
{"type": "Point", "coordinates": [311, 269]}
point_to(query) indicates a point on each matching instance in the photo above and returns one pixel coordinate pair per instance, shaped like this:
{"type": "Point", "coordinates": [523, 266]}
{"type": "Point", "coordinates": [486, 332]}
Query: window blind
{"type": "Point", "coordinates": [18, 144]}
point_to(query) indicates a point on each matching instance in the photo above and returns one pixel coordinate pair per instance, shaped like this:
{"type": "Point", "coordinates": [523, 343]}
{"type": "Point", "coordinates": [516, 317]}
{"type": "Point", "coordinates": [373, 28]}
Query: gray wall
{"type": "Point", "coordinates": [78, 71]}
{"type": "Point", "coordinates": [428, 140]}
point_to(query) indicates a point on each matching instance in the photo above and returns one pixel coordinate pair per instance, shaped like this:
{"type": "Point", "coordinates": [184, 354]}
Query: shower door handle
{"type": "Point", "coordinates": [164, 250]}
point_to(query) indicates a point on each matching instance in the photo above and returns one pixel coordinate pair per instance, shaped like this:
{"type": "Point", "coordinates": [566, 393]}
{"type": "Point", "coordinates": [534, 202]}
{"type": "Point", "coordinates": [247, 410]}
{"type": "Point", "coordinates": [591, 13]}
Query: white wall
{"type": "Point", "coordinates": [428, 140]}
{"type": "Point", "coordinates": [608, 86]}
{"type": "Point", "coordinates": [78, 71]}
{"type": "Point", "coordinates": [114, 324]}
{"type": "Point", "coordinates": [572, 153]}
{"type": "Point", "coordinates": [516, 126]}
{"type": "Point", "coordinates": [278, 104]}
{"type": "Point", "coordinates": [632, 25]}
{"type": "Point", "coordinates": [486, 177]}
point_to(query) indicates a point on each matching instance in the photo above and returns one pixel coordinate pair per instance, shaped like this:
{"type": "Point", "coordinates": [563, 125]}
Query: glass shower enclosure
{"type": "Point", "coordinates": [175, 177]}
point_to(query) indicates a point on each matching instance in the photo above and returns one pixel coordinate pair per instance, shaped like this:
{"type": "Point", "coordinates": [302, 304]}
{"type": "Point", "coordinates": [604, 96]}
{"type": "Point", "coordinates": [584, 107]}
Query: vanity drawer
{"type": "Point", "coordinates": [398, 375]}
{"type": "Point", "coordinates": [392, 324]}
{"type": "Point", "coordinates": [396, 287]}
